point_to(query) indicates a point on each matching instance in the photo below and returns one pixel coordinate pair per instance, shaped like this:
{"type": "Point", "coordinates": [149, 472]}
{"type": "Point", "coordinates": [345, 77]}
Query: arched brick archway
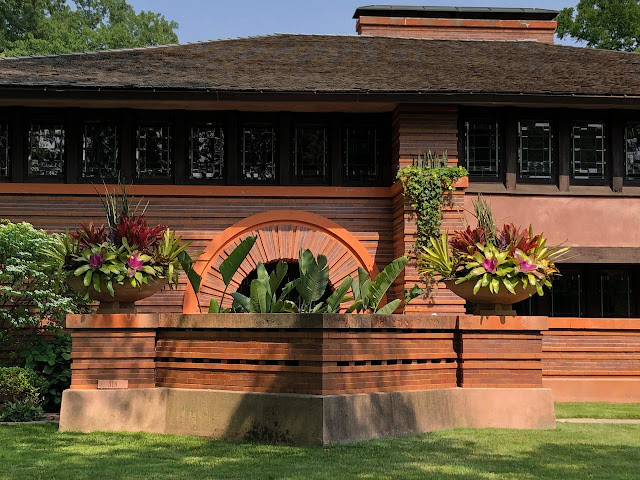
{"type": "Point", "coordinates": [281, 235]}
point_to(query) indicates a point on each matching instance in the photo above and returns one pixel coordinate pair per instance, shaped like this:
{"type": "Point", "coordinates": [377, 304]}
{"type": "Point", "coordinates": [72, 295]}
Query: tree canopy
{"type": "Point", "coordinates": [42, 27]}
{"type": "Point", "coordinates": [607, 24]}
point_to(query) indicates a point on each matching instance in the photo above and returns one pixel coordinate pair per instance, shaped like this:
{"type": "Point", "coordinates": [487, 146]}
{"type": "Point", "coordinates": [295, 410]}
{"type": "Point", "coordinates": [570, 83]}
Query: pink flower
{"type": "Point", "coordinates": [96, 260]}
{"type": "Point", "coordinates": [490, 265]}
{"type": "Point", "coordinates": [134, 264]}
{"type": "Point", "coordinates": [525, 265]}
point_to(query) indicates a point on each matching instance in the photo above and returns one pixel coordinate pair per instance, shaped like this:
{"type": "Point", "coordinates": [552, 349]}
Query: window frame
{"type": "Point", "coordinates": [259, 120]}
{"type": "Point", "coordinates": [218, 119]}
{"type": "Point", "coordinates": [537, 117]}
{"type": "Point", "coordinates": [384, 151]}
{"type": "Point", "coordinates": [497, 116]}
{"type": "Point", "coordinates": [7, 178]}
{"type": "Point", "coordinates": [91, 116]}
{"type": "Point", "coordinates": [150, 118]}
{"type": "Point", "coordinates": [631, 182]}
{"type": "Point", "coordinates": [608, 167]}
{"type": "Point", "coordinates": [42, 116]}
{"type": "Point", "coordinates": [310, 120]}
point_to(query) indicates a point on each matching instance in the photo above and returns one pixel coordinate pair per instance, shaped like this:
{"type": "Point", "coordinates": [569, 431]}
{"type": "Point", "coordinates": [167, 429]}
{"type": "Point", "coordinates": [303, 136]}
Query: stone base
{"type": "Point", "coordinates": [303, 419]}
{"type": "Point", "coordinates": [594, 389]}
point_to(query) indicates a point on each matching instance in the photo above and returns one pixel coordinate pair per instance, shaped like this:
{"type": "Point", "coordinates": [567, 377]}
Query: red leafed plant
{"type": "Point", "coordinates": [466, 240]}
{"type": "Point", "coordinates": [88, 235]}
{"type": "Point", "coordinates": [512, 238]}
{"type": "Point", "coordinates": [137, 233]}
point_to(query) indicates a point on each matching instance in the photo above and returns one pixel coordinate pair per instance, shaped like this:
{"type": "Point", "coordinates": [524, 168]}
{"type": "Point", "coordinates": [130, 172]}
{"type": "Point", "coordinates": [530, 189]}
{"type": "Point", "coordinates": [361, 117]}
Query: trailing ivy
{"type": "Point", "coordinates": [425, 184]}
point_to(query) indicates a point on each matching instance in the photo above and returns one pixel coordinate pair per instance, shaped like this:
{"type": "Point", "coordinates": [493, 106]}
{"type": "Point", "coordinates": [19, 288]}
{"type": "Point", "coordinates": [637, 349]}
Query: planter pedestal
{"type": "Point", "coordinates": [116, 307]}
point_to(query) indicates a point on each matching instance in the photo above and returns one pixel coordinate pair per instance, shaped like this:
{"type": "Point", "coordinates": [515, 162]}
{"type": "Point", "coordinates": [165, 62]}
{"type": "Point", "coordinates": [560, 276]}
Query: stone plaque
{"type": "Point", "coordinates": [112, 384]}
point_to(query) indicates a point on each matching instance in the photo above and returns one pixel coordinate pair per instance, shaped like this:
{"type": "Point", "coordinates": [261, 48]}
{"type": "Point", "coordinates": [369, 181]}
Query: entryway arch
{"type": "Point", "coordinates": [281, 235]}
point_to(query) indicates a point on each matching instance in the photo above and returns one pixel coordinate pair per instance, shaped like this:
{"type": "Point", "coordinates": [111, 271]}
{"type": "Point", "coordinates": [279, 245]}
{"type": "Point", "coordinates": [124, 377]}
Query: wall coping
{"type": "Point", "coordinates": [303, 321]}
{"type": "Point", "coordinates": [560, 323]}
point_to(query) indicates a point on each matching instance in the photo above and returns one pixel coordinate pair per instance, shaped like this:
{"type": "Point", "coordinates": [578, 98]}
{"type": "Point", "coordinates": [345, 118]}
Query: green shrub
{"type": "Point", "coordinates": [51, 357]}
{"type": "Point", "coordinates": [20, 394]}
{"type": "Point", "coordinates": [23, 411]}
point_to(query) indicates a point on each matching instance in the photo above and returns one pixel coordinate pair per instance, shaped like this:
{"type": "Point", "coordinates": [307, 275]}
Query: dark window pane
{"type": "Point", "coordinates": [4, 150]}
{"type": "Point", "coordinates": [589, 151]}
{"type": "Point", "coordinates": [535, 150]}
{"type": "Point", "coordinates": [310, 153]}
{"type": "Point", "coordinates": [632, 142]}
{"type": "Point", "coordinates": [615, 294]}
{"type": "Point", "coordinates": [482, 148]}
{"type": "Point", "coordinates": [100, 150]}
{"type": "Point", "coordinates": [206, 152]}
{"type": "Point", "coordinates": [46, 150]}
{"type": "Point", "coordinates": [361, 153]}
{"type": "Point", "coordinates": [154, 152]}
{"type": "Point", "coordinates": [258, 153]}
{"type": "Point", "coordinates": [566, 294]}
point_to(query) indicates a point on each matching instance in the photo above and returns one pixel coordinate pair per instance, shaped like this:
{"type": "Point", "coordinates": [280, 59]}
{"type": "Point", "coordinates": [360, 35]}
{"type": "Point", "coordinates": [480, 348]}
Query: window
{"type": "Point", "coordinates": [46, 150]}
{"type": "Point", "coordinates": [100, 154]}
{"type": "Point", "coordinates": [206, 152]}
{"type": "Point", "coordinates": [4, 150]}
{"type": "Point", "coordinates": [632, 151]}
{"type": "Point", "coordinates": [154, 150]}
{"type": "Point", "coordinates": [566, 292]}
{"type": "Point", "coordinates": [589, 151]}
{"type": "Point", "coordinates": [615, 294]}
{"type": "Point", "coordinates": [361, 154]}
{"type": "Point", "coordinates": [482, 148]}
{"type": "Point", "coordinates": [535, 150]}
{"type": "Point", "coordinates": [258, 153]}
{"type": "Point", "coordinates": [310, 154]}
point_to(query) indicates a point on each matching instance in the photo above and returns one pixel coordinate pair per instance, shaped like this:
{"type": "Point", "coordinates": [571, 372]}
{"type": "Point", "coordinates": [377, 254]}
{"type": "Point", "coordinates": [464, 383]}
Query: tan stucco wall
{"type": "Point", "coordinates": [573, 220]}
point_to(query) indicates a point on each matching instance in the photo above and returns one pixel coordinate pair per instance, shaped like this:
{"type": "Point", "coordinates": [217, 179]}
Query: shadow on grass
{"type": "Point", "coordinates": [571, 452]}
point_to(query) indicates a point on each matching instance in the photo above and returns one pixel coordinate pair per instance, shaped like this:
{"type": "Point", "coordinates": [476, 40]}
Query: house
{"type": "Point", "coordinates": [296, 138]}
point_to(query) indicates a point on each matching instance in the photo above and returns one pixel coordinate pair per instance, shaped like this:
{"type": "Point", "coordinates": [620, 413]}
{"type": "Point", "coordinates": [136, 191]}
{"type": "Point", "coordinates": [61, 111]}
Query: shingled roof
{"type": "Point", "coordinates": [332, 64]}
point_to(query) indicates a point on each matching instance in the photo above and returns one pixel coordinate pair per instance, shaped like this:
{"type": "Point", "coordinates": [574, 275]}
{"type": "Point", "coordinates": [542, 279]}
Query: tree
{"type": "Point", "coordinates": [607, 24]}
{"type": "Point", "coordinates": [44, 27]}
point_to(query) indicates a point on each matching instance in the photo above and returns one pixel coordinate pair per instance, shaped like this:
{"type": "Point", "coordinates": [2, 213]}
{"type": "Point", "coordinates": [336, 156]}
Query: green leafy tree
{"type": "Point", "coordinates": [607, 24]}
{"type": "Point", "coordinates": [43, 27]}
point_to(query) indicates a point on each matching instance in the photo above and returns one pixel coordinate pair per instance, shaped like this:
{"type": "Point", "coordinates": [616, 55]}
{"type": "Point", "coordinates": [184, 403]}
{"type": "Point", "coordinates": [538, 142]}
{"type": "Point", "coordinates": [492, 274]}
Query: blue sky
{"type": "Point", "coordinates": [212, 19]}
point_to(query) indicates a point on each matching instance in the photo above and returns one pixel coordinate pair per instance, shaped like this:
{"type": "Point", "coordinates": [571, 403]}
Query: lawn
{"type": "Point", "coordinates": [598, 410]}
{"type": "Point", "coordinates": [571, 452]}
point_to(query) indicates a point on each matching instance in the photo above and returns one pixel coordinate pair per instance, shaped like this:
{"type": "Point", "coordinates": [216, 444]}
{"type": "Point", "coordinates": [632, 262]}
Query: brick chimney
{"type": "Point", "coordinates": [457, 23]}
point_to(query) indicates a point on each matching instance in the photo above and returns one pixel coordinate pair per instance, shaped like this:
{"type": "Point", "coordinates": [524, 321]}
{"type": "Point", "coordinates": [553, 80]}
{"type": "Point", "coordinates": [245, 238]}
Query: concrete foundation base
{"type": "Point", "coordinates": [303, 419]}
{"type": "Point", "coordinates": [594, 389]}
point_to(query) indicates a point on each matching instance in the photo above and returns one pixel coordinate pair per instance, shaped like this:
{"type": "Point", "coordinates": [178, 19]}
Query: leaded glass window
{"type": "Point", "coordinates": [535, 150]}
{"type": "Point", "coordinates": [206, 152]}
{"type": "Point", "coordinates": [259, 153]}
{"type": "Point", "coordinates": [589, 151]}
{"type": "Point", "coordinates": [361, 153]}
{"type": "Point", "coordinates": [4, 150]}
{"type": "Point", "coordinates": [632, 143]}
{"type": "Point", "coordinates": [46, 150]}
{"type": "Point", "coordinates": [482, 148]}
{"type": "Point", "coordinates": [310, 153]}
{"type": "Point", "coordinates": [154, 150]}
{"type": "Point", "coordinates": [100, 154]}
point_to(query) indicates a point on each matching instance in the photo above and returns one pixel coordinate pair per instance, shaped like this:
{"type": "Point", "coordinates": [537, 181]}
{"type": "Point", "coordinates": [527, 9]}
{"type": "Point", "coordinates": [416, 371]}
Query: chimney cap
{"type": "Point", "coordinates": [487, 13]}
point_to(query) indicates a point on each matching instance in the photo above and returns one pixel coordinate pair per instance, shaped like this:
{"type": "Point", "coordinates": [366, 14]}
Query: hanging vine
{"type": "Point", "coordinates": [425, 184]}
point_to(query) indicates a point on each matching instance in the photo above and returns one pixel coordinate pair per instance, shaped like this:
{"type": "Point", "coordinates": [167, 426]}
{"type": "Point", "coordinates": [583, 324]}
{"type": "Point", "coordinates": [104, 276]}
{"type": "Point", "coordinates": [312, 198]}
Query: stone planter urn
{"type": "Point", "coordinates": [124, 296]}
{"type": "Point", "coordinates": [488, 303]}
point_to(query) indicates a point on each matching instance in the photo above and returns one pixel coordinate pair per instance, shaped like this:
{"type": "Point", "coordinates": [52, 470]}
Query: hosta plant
{"type": "Point", "coordinates": [510, 258]}
{"type": "Point", "coordinates": [126, 251]}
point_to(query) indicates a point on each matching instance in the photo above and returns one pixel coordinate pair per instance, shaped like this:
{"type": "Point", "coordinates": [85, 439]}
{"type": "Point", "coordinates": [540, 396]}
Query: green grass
{"type": "Point", "coordinates": [597, 410]}
{"type": "Point", "coordinates": [575, 451]}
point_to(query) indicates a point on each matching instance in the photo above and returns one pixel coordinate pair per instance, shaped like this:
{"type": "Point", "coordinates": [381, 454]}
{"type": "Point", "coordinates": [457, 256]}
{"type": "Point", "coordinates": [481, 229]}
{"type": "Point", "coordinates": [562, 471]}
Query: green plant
{"type": "Point", "coordinates": [20, 394]}
{"type": "Point", "coordinates": [491, 258]}
{"type": "Point", "coordinates": [425, 184]}
{"type": "Point", "coordinates": [263, 298]}
{"type": "Point", "coordinates": [20, 411]}
{"type": "Point", "coordinates": [51, 357]}
{"type": "Point", "coordinates": [368, 294]}
{"type": "Point", "coordinates": [228, 269]}
{"type": "Point", "coordinates": [30, 292]}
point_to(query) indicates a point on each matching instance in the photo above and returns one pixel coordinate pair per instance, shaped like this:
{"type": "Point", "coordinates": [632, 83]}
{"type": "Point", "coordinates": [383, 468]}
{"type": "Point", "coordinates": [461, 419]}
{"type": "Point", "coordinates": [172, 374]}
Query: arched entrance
{"type": "Point", "coordinates": [281, 235]}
